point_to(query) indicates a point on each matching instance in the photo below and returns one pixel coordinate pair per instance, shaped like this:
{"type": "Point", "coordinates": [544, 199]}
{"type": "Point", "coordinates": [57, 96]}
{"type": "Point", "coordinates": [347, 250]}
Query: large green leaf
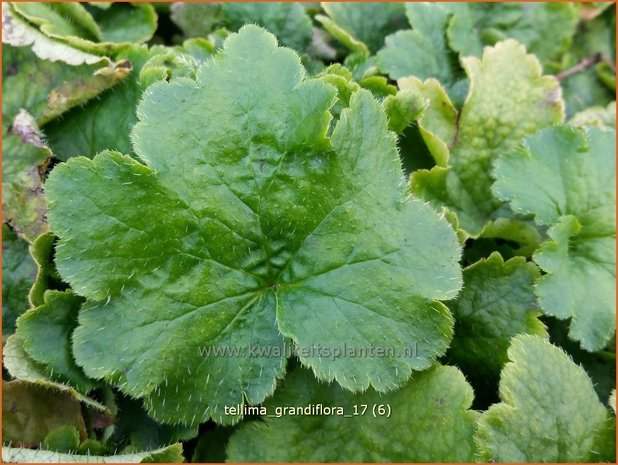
{"type": "Point", "coordinates": [46, 334]}
{"type": "Point", "coordinates": [496, 304]}
{"type": "Point", "coordinates": [18, 274]}
{"type": "Point", "coordinates": [259, 228]}
{"type": "Point", "coordinates": [566, 178]}
{"type": "Point", "coordinates": [505, 78]}
{"type": "Point", "coordinates": [428, 420]}
{"type": "Point", "coordinates": [421, 52]}
{"type": "Point", "coordinates": [549, 410]}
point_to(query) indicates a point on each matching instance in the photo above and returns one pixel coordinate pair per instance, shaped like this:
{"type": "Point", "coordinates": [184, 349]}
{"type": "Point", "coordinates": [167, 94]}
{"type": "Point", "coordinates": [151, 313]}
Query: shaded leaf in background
{"type": "Point", "coordinates": [21, 367]}
{"type": "Point", "coordinates": [566, 178]}
{"type": "Point", "coordinates": [506, 77]}
{"type": "Point", "coordinates": [18, 274]}
{"type": "Point", "coordinates": [134, 428]}
{"type": "Point", "coordinates": [46, 89]}
{"type": "Point", "coordinates": [197, 19]}
{"type": "Point", "coordinates": [368, 23]}
{"type": "Point", "coordinates": [30, 412]}
{"type": "Point", "coordinates": [423, 51]}
{"type": "Point", "coordinates": [288, 21]}
{"type": "Point", "coordinates": [24, 160]}
{"type": "Point", "coordinates": [545, 29]}
{"type": "Point", "coordinates": [549, 410]}
{"type": "Point", "coordinates": [254, 221]}
{"type": "Point", "coordinates": [496, 304]}
{"type": "Point", "coordinates": [434, 404]}
{"type": "Point", "coordinates": [595, 39]}
{"type": "Point", "coordinates": [211, 446]}
{"type": "Point", "coordinates": [106, 123]}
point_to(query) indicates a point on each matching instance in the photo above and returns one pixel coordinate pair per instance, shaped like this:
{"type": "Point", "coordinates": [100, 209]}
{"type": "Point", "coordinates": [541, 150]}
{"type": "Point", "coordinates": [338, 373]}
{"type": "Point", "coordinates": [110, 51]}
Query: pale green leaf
{"type": "Point", "coordinates": [238, 240]}
{"type": "Point", "coordinates": [70, 23]}
{"type": "Point", "coordinates": [356, 46]}
{"type": "Point", "coordinates": [596, 116]}
{"type": "Point", "coordinates": [428, 420]}
{"type": "Point", "coordinates": [402, 109]}
{"type": "Point", "coordinates": [549, 410]}
{"type": "Point", "coordinates": [566, 178]}
{"type": "Point", "coordinates": [126, 22]}
{"type": "Point", "coordinates": [438, 122]}
{"type": "Point", "coordinates": [170, 454]}
{"type": "Point", "coordinates": [524, 233]}
{"type": "Point", "coordinates": [19, 33]}
{"type": "Point", "coordinates": [508, 98]}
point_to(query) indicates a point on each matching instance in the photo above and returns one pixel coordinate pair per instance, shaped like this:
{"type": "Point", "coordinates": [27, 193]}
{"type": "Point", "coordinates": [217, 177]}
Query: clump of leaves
{"type": "Point", "coordinates": [231, 247]}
